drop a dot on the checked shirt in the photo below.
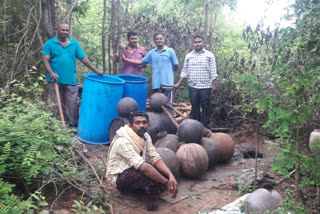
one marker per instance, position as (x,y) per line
(125,157)
(200,69)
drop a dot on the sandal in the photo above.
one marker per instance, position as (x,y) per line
(126,200)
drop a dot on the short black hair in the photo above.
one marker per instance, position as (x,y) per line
(138,114)
(131,33)
(156,34)
(62,23)
(197,37)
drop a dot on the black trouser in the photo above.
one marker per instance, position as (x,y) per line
(68,97)
(132,179)
(200,98)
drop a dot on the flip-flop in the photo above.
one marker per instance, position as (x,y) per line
(125,200)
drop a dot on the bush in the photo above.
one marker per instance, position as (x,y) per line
(29,136)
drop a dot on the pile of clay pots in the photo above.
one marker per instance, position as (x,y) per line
(158,119)
(196,149)
(188,149)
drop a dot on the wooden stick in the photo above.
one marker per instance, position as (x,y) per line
(181,104)
(179,108)
(174,109)
(170,116)
(59,104)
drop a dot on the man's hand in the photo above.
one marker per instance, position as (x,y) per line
(54,76)
(176,85)
(114,57)
(124,57)
(214,88)
(99,72)
(172,186)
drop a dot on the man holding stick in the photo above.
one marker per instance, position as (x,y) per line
(59,58)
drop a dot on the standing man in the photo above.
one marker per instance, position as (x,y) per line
(59,58)
(133,164)
(200,70)
(163,62)
(131,51)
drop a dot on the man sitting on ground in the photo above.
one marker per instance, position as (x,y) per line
(133,164)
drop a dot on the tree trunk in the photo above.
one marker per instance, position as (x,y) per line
(206,8)
(297,166)
(126,13)
(49,17)
(69,15)
(112,35)
(119,33)
(103,37)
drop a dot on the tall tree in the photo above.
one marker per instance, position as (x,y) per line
(103,35)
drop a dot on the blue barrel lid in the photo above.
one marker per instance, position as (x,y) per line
(132,78)
(105,79)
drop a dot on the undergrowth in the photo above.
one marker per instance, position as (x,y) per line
(35,150)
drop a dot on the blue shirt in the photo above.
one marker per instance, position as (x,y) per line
(63,59)
(162,66)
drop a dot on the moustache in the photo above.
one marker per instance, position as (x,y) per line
(142,129)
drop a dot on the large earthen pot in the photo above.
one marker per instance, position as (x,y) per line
(156,101)
(262,201)
(116,124)
(126,105)
(170,141)
(170,158)
(190,131)
(159,121)
(225,146)
(212,150)
(193,160)
(315,135)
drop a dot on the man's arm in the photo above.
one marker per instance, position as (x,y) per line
(214,74)
(89,65)
(114,58)
(46,62)
(172,184)
(175,67)
(133,61)
(214,88)
(179,82)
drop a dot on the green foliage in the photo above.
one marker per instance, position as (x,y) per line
(82,8)
(291,205)
(87,209)
(28,137)
(279,79)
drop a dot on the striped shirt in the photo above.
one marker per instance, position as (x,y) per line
(123,156)
(200,69)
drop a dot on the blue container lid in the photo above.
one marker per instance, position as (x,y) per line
(132,78)
(104,79)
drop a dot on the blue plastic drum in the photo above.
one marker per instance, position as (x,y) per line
(100,96)
(136,87)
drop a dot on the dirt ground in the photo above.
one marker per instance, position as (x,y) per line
(213,191)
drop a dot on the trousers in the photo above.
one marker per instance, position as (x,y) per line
(200,98)
(68,98)
(132,180)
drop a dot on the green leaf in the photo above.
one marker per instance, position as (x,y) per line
(43,203)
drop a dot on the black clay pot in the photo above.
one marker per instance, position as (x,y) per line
(126,105)
(159,122)
(170,141)
(190,131)
(116,124)
(212,150)
(156,101)
(170,158)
